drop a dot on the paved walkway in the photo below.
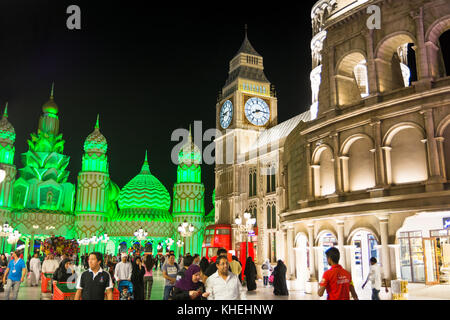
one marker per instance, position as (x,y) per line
(416,292)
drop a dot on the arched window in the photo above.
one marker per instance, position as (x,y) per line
(270,179)
(361,78)
(444,43)
(396,62)
(274,216)
(408,157)
(269,217)
(252,182)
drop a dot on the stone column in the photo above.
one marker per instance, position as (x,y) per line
(345,173)
(337,164)
(340,239)
(371,66)
(310,182)
(379,163)
(423,71)
(385,254)
(290,253)
(387,160)
(315,169)
(332,79)
(440,143)
(312,266)
(433,156)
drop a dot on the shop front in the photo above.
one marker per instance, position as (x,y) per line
(424,241)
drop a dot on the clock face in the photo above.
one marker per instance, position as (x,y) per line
(257,111)
(226,114)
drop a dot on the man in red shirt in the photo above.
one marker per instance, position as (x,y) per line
(337,281)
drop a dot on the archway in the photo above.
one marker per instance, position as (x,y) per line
(324,183)
(364,246)
(444,43)
(325,241)
(301,258)
(396,61)
(352,78)
(408,156)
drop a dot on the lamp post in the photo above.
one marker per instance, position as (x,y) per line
(245,228)
(14,237)
(5,231)
(140,235)
(104,239)
(179,244)
(169,242)
(186,230)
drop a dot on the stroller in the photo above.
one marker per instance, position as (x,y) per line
(129,286)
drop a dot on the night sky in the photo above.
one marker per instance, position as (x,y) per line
(147,70)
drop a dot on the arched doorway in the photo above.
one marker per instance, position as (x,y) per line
(364,246)
(301,252)
(444,41)
(325,241)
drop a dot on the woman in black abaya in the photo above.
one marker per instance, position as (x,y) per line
(279,280)
(250,274)
(137,278)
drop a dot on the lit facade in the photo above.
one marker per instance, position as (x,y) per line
(41,202)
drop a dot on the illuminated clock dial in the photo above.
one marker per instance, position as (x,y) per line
(226,114)
(257,111)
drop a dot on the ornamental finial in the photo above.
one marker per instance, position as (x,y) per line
(5,112)
(97,126)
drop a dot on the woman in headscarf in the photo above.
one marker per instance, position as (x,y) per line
(236,267)
(250,274)
(65,272)
(266,269)
(189,287)
(279,280)
(137,278)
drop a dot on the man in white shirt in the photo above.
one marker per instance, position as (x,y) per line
(50,264)
(375,279)
(223,284)
(123,269)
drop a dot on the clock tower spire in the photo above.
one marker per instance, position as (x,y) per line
(246,106)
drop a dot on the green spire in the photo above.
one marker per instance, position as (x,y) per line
(97,126)
(145,166)
(52,91)
(5,113)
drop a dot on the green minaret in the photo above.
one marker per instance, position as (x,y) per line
(188,195)
(43,179)
(7,150)
(96,194)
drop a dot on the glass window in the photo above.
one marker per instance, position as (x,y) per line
(274,217)
(222,231)
(269,224)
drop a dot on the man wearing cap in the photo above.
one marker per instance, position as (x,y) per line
(123,269)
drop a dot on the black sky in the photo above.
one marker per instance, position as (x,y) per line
(147,69)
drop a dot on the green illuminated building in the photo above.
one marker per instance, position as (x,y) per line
(188,195)
(41,202)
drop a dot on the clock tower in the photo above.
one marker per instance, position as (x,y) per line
(246,106)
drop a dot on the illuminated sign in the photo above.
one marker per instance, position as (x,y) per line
(446,222)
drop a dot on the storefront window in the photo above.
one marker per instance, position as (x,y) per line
(411,256)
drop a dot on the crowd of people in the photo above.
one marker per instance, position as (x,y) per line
(189,277)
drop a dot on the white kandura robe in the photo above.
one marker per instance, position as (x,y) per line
(35,268)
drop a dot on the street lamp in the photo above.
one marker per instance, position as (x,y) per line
(186,230)
(5,232)
(140,235)
(14,237)
(245,228)
(169,243)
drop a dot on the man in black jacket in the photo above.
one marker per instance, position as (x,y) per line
(212,267)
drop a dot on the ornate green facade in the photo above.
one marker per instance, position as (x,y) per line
(42,202)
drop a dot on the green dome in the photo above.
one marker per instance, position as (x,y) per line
(96,142)
(189,153)
(50,106)
(144,191)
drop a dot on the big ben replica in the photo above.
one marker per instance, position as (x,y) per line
(246,107)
